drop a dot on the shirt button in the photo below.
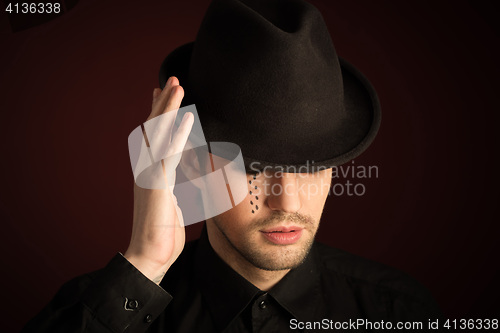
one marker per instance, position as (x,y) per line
(262,305)
(132,304)
(148,318)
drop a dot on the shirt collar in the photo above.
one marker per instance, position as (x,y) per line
(299,291)
(227,293)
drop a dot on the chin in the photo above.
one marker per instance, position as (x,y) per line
(272,257)
(278,264)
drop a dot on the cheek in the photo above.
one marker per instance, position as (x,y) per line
(238,218)
(313,193)
(254,190)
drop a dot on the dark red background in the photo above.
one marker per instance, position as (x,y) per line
(73,89)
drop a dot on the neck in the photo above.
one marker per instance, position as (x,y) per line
(262,279)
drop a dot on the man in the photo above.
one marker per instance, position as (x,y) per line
(264,75)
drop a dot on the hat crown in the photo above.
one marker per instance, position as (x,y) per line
(264,74)
(267,61)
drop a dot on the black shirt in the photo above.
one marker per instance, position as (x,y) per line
(332,290)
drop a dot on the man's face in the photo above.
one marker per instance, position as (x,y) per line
(273,228)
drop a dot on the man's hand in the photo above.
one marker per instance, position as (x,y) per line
(158,234)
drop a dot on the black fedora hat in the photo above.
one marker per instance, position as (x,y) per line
(265,75)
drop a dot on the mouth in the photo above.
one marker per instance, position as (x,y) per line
(282,235)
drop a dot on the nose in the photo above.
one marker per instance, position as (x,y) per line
(284,194)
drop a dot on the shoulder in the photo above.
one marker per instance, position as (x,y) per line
(369,277)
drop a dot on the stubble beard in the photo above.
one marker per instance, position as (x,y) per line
(282,257)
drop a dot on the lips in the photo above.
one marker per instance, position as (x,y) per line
(282,235)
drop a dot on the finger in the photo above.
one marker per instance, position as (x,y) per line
(163,125)
(181,135)
(174,102)
(156,93)
(176,147)
(161,100)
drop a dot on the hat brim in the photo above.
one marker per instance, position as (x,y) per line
(359,98)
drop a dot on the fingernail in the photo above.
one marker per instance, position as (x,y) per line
(169,81)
